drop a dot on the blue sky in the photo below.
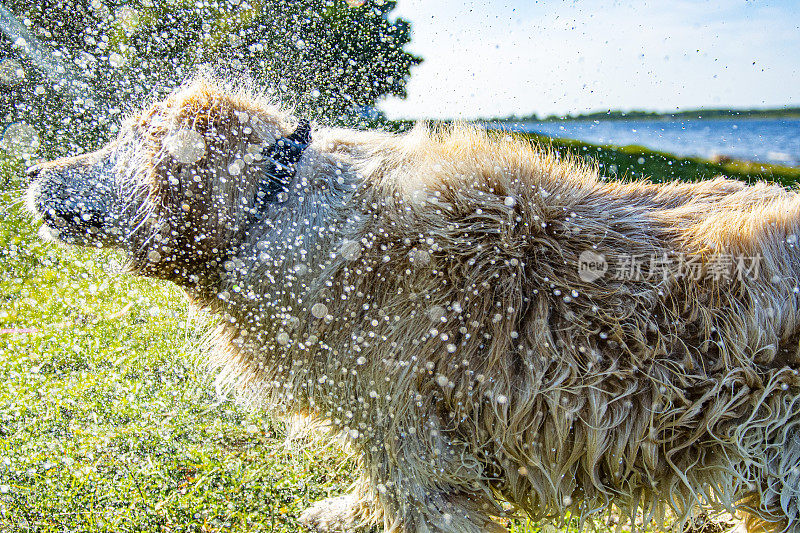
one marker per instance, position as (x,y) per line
(495,58)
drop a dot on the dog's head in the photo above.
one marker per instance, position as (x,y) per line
(182,184)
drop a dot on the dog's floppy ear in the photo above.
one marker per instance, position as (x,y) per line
(281,165)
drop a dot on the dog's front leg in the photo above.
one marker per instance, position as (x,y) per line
(351,513)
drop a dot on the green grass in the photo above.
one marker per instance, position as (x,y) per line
(108,418)
(635,162)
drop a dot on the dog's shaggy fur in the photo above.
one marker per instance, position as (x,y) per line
(421,293)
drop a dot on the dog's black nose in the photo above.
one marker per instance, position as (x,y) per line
(32,173)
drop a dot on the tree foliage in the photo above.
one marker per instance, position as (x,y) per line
(329,58)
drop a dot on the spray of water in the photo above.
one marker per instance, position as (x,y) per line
(56,71)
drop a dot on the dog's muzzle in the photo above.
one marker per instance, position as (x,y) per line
(78,205)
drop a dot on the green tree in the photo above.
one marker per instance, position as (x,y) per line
(329,58)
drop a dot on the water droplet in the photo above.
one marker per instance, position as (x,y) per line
(11,73)
(186,146)
(350,250)
(436,313)
(319,310)
(128,17)
(235,168)
(116,60)
(419,257)
(20,139)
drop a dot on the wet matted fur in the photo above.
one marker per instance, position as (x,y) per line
(422,294)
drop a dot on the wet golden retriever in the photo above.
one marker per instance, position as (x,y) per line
(484,321)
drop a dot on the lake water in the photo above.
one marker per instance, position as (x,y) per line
(764,140)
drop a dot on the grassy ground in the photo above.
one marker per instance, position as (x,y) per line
(108,420)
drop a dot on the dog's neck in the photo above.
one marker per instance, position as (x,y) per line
(265,288)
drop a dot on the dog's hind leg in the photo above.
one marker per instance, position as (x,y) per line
(416,481)
(423,481)
(437,512)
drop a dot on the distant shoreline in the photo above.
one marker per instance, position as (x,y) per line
(695,114)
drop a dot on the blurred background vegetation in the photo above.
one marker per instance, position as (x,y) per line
(99,59)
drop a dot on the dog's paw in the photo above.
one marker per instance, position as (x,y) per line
(335,515)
